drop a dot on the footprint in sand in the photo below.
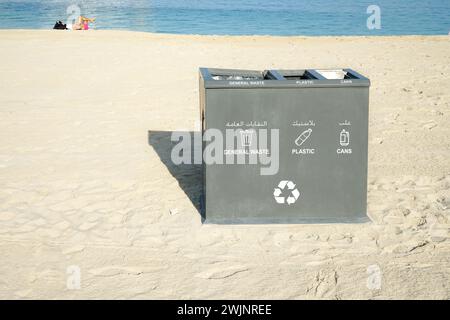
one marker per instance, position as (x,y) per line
(221,273)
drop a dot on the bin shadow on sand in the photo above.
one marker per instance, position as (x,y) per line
(189,176)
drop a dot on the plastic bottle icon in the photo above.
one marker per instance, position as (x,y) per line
(344,138)
(303,137)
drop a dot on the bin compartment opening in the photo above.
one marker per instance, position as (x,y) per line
(241,75)
(235,77)
(336,74)
(296,74)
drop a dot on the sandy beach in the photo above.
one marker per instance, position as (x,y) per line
(86,181)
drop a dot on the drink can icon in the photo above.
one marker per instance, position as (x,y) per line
(344,138)
(246,138)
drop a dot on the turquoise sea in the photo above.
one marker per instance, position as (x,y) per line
(284,17)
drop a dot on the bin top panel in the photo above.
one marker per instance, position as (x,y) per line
(235,78)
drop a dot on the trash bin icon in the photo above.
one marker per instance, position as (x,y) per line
(246,137)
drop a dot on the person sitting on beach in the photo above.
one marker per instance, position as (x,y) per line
(82,23)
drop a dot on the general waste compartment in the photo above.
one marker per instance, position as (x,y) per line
(284,146)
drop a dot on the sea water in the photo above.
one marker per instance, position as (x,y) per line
(233,17)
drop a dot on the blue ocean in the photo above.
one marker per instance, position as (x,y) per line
(243,17)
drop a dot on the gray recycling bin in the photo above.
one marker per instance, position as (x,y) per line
(284,146)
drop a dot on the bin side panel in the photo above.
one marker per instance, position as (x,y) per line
(328,168)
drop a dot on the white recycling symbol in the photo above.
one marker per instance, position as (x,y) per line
(290,198)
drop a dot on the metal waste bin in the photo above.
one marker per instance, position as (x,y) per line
(284,146)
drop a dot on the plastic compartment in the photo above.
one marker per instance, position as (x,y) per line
(296,74)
